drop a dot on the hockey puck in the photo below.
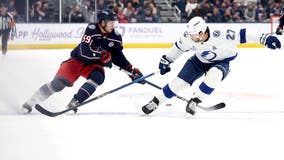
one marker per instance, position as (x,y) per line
(168,104)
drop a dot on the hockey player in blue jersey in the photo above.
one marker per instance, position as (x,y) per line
(101,46)
(214,48)
(279,30)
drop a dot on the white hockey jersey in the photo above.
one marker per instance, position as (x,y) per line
(220,46)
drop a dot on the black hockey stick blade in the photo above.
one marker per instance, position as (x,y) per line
(46,112)
(214,107)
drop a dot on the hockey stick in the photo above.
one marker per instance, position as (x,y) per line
(210,108)
(54,114)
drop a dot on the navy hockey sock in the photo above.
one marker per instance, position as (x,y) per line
(85,92)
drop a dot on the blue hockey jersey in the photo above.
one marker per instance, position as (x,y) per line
(94,43)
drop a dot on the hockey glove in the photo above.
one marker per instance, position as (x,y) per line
(279,30)
(106,59)
(271,42)
(164,65)
(135,74)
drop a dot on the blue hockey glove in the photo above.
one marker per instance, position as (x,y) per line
(271,42)
(106,59)
(164,65)
(135,74)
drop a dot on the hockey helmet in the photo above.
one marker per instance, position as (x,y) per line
(196,25)
(107,15)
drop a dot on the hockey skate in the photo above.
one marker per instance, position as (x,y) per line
(151,106)
(191,105)
(74,102)
(27,108)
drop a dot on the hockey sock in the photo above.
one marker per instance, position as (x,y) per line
(85,92)
(41,94)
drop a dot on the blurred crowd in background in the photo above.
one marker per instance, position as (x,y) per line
(144,11)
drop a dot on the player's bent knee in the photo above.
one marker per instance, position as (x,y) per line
(97,76)
(223,68)
(213,77)
(177,85)
(58,84)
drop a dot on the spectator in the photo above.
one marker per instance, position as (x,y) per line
(190,6)
(223,8)
(88,13)
(133,17)
(128,10)
(77,15)
(121,17)
(237,13)
(215,17)
(154,11)
(67,14)
(250,13)
(36,12)
(101,5)
(148,17)
(276,9)
(136,4)
(228,18)
(206,9)
(48,13)
(261,16)
(196,12)
(110,4)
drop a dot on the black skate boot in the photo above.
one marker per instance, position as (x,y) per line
(74,102)
(191,105)
(151,106)
(27,108)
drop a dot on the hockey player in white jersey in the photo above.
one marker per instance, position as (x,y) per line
(214,49)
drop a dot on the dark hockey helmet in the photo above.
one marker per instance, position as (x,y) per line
(107,15)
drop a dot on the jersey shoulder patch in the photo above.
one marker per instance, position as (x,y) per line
(116,32)
(216,33)
(92,26)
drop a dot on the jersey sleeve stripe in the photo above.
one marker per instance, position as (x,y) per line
(243,36)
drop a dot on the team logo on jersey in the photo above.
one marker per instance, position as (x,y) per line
(92,26)
(216,33)
(209,55)
(111,44)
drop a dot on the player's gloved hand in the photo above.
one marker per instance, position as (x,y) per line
(279,30)
(164,65)
(135,74)
(271,42)
(105,58)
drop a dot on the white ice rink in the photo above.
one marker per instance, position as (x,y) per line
(251,127)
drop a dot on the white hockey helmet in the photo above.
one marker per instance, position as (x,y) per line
(196,25)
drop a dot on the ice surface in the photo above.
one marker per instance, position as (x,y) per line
(250,127)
